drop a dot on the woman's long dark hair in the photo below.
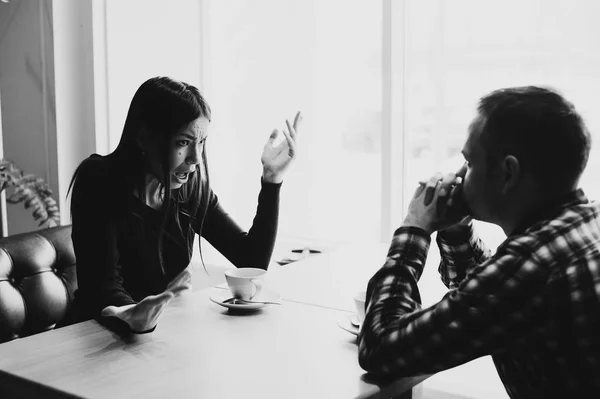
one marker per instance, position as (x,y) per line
(161,107)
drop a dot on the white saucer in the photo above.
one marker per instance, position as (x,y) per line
(349,323)
(220,297)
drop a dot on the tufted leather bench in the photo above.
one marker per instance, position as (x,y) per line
(37,281)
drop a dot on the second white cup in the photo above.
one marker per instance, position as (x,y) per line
(359,303)
(245,283)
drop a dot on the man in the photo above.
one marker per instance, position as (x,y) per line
(534,305)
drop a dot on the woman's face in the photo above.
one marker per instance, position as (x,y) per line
(185,151)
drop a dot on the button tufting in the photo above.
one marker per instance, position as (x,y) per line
(40,302)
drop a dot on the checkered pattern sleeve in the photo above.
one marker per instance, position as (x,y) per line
(461,250)
(493,303)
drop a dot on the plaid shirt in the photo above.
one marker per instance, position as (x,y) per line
(534,305)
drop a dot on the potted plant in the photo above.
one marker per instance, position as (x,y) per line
(32,191)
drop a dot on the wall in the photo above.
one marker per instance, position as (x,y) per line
(48,94)
(75,90)
(27,86)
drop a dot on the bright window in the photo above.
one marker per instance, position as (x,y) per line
(387,89)
(457,51)
(267,59)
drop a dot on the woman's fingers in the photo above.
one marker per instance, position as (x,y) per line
(148,311)
(274,135)
(290,142)
(183,278)
(297,121)
(155,311)
(109,311)
(143,315)
(152,306)
(179,287)
(116,311)
(273,140)
(291,130)
(290,134)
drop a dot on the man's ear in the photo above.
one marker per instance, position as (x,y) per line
(511,172)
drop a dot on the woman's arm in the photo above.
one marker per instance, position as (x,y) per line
(244,249)
(254,248)
(94,235)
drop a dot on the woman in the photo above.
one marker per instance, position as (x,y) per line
(135,211)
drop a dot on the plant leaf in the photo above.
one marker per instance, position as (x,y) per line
(30,189)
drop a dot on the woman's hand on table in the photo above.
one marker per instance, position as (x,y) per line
(181,283)
(278,156)
(144,315)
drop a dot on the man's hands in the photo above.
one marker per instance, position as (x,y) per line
(439,203)
(144,315)
(277,157)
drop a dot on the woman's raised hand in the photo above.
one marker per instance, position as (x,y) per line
(278,156)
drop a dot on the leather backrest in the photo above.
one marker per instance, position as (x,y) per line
(37,281)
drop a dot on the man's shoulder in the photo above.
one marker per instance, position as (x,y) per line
(570,231)
(574,216)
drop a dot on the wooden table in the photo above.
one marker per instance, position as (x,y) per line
(199,350)
(345,270)
(328,280)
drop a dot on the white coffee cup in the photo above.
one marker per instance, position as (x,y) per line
(359,303)
(246,282)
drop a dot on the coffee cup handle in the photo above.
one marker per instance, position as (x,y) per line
(258,284)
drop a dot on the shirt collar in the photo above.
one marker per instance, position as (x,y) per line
(552,209)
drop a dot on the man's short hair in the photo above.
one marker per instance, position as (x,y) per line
(541,129)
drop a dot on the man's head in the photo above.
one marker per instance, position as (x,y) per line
(526,144)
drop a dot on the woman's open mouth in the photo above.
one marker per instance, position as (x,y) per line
(182,177)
